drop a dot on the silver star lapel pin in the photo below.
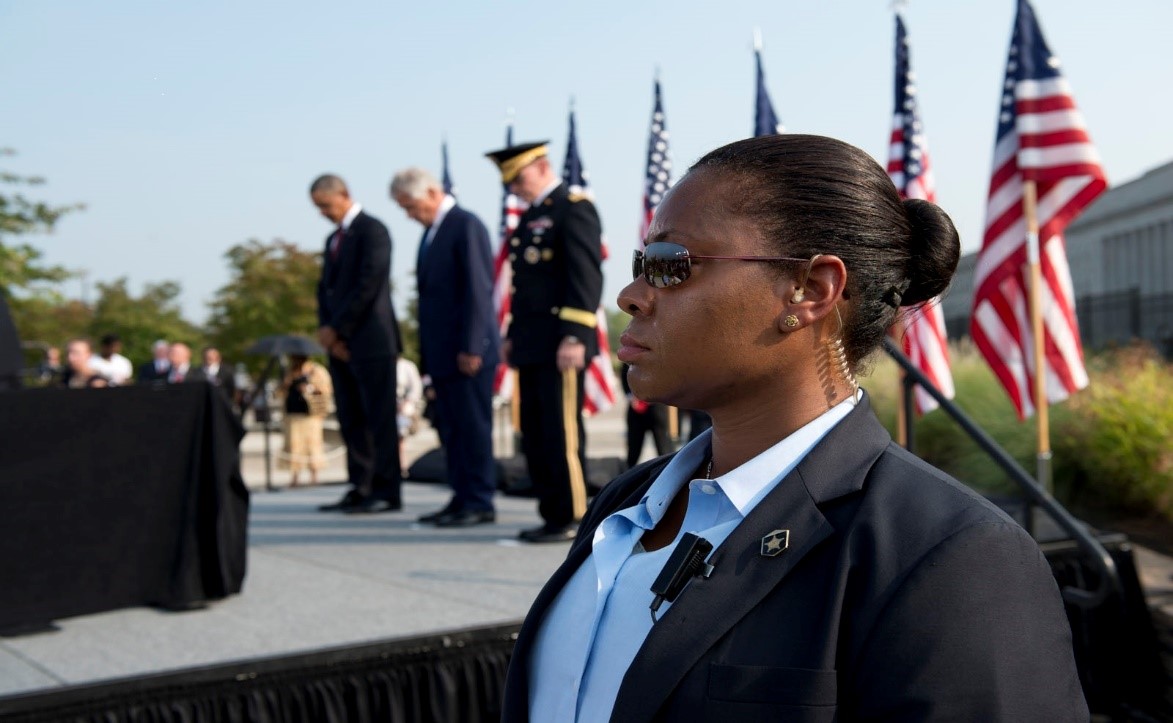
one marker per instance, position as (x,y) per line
(775,543)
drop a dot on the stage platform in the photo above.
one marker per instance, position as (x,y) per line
(325,580)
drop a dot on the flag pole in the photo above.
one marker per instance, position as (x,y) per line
(1029,208)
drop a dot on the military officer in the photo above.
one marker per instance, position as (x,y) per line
(556,256)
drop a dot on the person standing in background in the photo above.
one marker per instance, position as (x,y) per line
(357,328)
(459,343)
(11,361)
(642,418)
(157,369)
(556,257)
(110,363)
(307,392)
(218,374)
(181,370)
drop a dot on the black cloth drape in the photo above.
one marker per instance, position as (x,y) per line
(112,498)
(455,677)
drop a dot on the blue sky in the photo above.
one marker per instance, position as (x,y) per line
(187,128)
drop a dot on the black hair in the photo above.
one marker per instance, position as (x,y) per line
(814,195)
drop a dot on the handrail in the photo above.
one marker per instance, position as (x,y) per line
(1109,577)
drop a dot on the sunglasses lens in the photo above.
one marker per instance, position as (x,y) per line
(664,264)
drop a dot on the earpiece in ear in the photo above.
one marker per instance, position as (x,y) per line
(799,295)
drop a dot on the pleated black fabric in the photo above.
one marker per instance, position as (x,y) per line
(455,677)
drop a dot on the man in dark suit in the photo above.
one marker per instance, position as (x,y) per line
(157,369)
(358,329)
(459,344)
(218,374)
(11,360)
(556,256)
(180,370)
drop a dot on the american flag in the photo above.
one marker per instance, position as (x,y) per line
(511,209)
(765,121)
(1041,138)
(659,175)
(445,177)
(599,386)
(909,167)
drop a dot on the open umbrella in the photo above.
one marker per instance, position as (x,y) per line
(279,344)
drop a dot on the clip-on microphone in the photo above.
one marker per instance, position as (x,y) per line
(686,562)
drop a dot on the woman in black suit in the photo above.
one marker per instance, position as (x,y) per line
(849,579)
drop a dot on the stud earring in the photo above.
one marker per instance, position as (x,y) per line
(791,321)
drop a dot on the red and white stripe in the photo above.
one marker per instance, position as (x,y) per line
(600,386)
(1048,144)
(923,333)
(512,208)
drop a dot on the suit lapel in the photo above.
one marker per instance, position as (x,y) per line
(743,576)
(427,251)
(518,679)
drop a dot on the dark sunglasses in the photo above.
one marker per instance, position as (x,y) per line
(664,264)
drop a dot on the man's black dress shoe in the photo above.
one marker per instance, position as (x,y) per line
(546,533)
(433,516)
(350,499)
(465,518)
(372,505)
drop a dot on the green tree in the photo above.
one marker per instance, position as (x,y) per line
(272,290)
(42,316)
(139,321)
(20,264)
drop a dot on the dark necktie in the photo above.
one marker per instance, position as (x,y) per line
(336,243)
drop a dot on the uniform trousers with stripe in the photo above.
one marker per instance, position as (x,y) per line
(554,441)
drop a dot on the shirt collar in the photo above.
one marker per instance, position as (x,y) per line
(445,206)
(355,209)
(546,192)
(746,485)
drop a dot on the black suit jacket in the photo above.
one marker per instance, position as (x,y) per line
(11,359)
(454,278)
(903,596)
(556,255)
(354,293)
(224,378)
(147,373)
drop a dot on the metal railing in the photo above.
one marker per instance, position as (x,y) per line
(1109,577)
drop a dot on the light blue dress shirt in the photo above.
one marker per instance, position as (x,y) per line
(598,622)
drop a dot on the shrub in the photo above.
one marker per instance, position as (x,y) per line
(1111,442)
(1120,438)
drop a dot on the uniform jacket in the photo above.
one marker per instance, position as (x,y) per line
(454,277)
(901,596)
(354,293)
(556,254)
